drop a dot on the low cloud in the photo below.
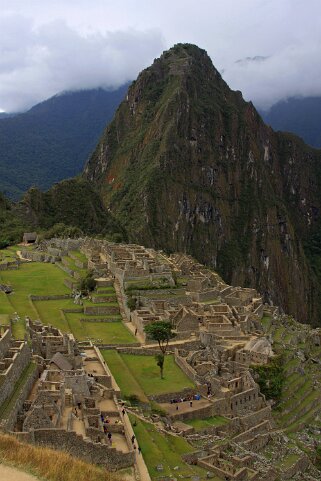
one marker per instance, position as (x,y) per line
(38,62)
(294,71)
(268,49)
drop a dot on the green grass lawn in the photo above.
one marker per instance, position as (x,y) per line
(32,278)
(72,265)
(108,289)
(6,309)
(208,422)
(80,256)
(124,378)
(102,332)
(5,306)
(137,374)
(50,312)
(87,302)
(112,317)
(47,279)
(164,449)
(146,371)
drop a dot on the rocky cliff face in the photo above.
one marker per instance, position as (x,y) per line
(188,165)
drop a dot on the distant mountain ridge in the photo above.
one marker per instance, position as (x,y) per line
(52,140)
(302,116)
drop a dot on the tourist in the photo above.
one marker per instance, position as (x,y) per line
(123,411)
(133,438)
(191,404)
(139,450)
(109,435)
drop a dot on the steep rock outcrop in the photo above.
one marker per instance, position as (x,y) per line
(188,165)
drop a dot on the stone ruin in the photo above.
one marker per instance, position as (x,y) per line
(219,336)
(71,405)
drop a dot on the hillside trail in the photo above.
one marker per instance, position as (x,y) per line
(8,473)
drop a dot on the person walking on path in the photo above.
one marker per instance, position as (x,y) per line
(139,450)
(109,435)
(133,438)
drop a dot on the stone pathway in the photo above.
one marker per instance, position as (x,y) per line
(12,474)
(22,258)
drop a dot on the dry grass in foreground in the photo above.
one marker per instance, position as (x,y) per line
(49,464)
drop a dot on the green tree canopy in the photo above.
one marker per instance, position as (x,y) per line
(160,331)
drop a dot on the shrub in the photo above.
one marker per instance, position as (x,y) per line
(87,283)
(131,303)
(270,378)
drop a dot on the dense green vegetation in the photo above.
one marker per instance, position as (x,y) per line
(71,208)
(52,140)
(12,226)
(270,378)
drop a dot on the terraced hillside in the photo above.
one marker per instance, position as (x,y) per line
(44,291)
(299,405)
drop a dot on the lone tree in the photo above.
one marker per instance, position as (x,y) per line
(160,331)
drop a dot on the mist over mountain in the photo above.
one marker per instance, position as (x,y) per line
(52,140)
(302,116)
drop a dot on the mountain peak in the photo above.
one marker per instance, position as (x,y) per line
(183,58)
(187,165)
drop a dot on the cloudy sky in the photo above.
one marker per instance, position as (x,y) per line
(269,49)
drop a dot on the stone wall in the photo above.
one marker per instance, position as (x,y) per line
(112,346)
(166,397)
(101,310)
(39,256)
(185,367)
(9,377)
(67,244)
(200,413)
(5,342)
(297,467)
(70,283)
(5,266)
(256,417)
(49,298)
(9,421)
(74,444)
(66,269)
(98,320)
